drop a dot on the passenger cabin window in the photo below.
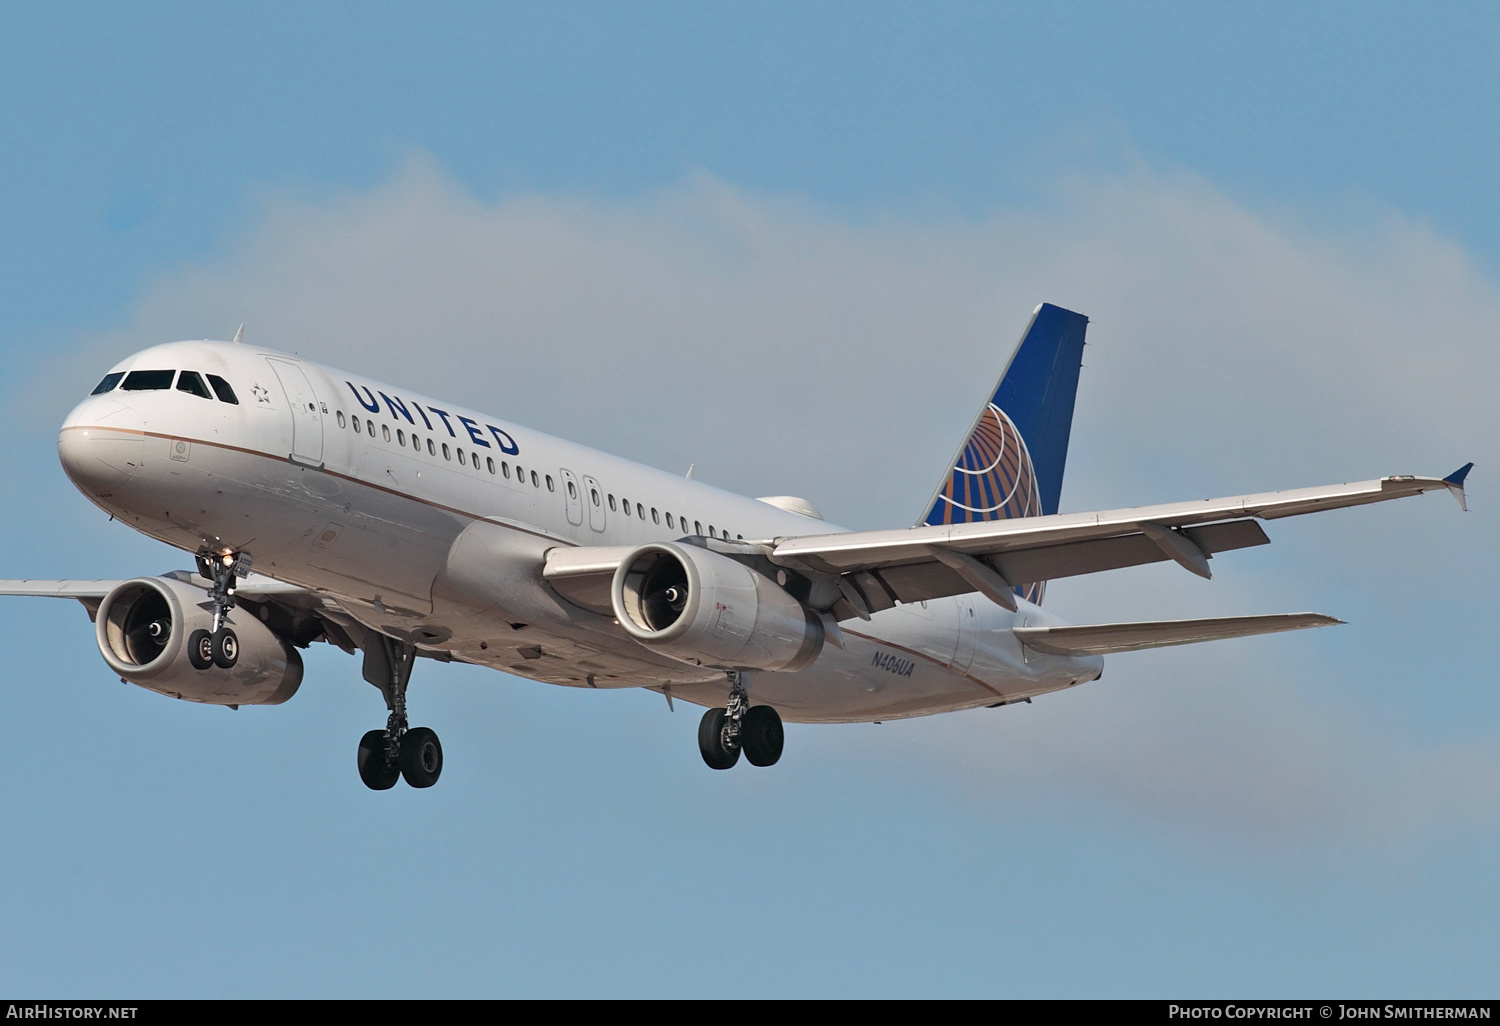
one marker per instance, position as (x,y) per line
(489,464)
(342,422)
(431,449)
(191,382)
(109,382)
(223,391)
(655,519)
(612,504)
(534,482)
(148,380)
(549,483)
(401,438)
(697,527)
(505,469)
(385,432)
(446,454)
(669,520)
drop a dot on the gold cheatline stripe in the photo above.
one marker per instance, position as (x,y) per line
(324,470)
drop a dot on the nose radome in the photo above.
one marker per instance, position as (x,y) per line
(100,445)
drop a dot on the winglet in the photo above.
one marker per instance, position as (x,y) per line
(1455,483)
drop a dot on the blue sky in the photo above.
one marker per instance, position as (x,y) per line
(1284,225)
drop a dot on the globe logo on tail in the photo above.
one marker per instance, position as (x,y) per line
(993,479)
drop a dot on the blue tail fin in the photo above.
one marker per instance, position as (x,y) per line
(1011,462)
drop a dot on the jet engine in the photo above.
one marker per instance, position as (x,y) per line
(144,627)
(704,608)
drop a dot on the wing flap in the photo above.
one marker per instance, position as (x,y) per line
(1107,638)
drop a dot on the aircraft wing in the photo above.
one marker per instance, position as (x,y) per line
(1106,638)
(876,569)
(308,614)
(255,586)
(58,589)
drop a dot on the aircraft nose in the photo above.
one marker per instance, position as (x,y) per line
(100,446)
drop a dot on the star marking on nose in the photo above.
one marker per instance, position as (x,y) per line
(261,394)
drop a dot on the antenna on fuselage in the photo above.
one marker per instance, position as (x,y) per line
(239,335)
(690,470)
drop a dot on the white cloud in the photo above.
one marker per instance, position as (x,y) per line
(788,348)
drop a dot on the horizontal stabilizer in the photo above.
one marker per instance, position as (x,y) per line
(1104,638)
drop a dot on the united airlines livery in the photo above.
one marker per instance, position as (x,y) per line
(321,506)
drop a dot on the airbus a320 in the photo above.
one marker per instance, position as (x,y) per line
(321,506)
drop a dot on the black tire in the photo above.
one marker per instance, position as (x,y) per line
(374,770)
(762,736)
(201,650)
(711,741)
(421,757)
(226,649)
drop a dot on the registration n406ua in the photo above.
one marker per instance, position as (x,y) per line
(321,506)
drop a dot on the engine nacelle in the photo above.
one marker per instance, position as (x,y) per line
(143,627)
(704,608)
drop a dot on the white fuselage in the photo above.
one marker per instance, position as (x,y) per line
(385,502)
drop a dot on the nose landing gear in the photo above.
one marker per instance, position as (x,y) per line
(724,733)
(398,751)
(219,647)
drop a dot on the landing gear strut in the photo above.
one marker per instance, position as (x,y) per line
(397,751)
(757,730)
(219,647)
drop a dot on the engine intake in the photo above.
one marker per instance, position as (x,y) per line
(704,608)
(143,626)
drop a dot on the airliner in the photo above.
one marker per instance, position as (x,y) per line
(322,506)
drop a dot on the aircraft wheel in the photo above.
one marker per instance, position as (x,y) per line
(226,648)
(762,736)
(711,741)
(421,757)
(201,650)
(377,774)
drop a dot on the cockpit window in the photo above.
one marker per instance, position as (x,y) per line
(192,381)
(109,382)
(222,390)
(148,380)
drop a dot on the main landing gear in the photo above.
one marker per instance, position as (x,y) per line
(397,751)
(723,733)
(219,647)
